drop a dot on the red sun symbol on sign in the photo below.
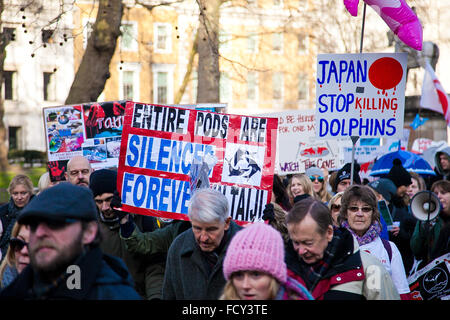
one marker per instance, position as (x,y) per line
(385,73)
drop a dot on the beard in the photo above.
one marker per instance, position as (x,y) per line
(49,270)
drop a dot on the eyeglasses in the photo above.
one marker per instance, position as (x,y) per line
(335,207)
(363,209)
(84,172)
(320,179)
(17,244)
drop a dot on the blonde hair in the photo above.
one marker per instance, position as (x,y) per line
(44,182)
(305,182)
(230,293)
(279,222)
(335,198)
(10,257)
(21,179)
(323,195)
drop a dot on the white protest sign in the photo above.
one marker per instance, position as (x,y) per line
(297,146)
(360,95)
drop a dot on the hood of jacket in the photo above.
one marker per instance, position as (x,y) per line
(437,161)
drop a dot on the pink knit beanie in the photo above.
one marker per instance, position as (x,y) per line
(256,247)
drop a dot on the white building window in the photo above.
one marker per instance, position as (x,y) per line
(9,33)
(277,43)
(128,39)
(224,40)
(163,87)
(278,3)
(49,86)
(225,88)
(303,86)
(129,81)
(252,86)
(302,43)
(277,86)
(10,85)
(252,42)
(162,37)
(15,138)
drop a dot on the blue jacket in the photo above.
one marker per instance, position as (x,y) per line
(102,277)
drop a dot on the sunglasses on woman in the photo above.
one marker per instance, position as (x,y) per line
(363,209)
(320,179)
(17,244)
(335,207)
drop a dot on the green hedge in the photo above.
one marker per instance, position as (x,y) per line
(27,156)
(33,173)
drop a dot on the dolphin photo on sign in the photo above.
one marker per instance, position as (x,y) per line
(360,95)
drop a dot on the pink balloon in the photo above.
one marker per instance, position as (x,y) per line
(398,16)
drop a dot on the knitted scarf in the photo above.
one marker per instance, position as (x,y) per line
(293,290)
(371,234)
(315,272)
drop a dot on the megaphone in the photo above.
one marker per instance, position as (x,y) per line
(425,205)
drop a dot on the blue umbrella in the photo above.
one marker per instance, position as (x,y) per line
(410,161)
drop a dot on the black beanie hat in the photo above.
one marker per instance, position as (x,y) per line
(345,173)
(103,181)
(398,174)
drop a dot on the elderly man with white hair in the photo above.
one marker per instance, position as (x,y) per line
(194,261)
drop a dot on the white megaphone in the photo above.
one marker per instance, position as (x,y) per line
(425,205)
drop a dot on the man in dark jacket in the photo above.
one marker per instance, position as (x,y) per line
(65,260)
(327,260)
(103,185)
(195,258)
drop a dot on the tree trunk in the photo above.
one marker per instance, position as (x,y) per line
(93,72)
(4,41)
(208,52)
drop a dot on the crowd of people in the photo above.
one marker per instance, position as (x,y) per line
(322,237)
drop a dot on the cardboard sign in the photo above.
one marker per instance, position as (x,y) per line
(297,146)
(92,130)
(360,95)
(64,128)
(432,282)
(162,145)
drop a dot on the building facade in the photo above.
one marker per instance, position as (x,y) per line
(267,50)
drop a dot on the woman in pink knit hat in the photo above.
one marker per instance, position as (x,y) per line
(254,267)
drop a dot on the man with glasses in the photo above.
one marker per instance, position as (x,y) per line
(65,259)
(328,261)
(78,171)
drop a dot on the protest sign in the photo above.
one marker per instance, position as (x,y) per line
(297,146)
(162,144)
(432,281)
(420,145)
(56,170)
(360,95)
(92,130)
(64,130)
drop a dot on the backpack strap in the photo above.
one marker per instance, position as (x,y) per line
(388,248)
